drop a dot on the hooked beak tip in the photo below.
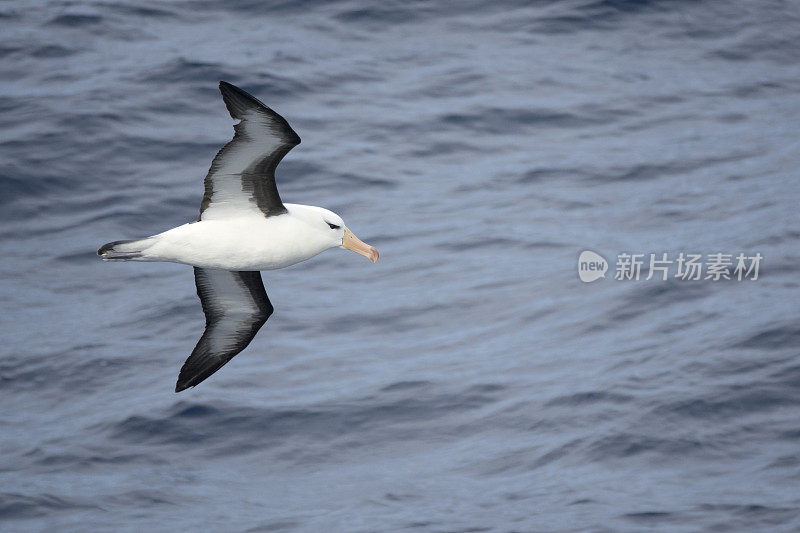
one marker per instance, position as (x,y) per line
(351,242)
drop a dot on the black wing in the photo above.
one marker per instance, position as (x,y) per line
(236,306)
(242,175)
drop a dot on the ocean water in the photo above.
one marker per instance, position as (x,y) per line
(468,381)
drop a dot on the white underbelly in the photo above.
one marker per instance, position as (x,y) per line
(238,244)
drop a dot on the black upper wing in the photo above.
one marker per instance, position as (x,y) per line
(236,306)
(242,175)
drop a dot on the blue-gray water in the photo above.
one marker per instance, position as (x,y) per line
(466,382)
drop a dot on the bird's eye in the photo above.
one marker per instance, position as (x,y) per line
(333,226)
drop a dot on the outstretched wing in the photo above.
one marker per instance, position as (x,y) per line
(236,306)
(242,175)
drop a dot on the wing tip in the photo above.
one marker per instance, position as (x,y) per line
(193,372)
(238,101)
(184,380)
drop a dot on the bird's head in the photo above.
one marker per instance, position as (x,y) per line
(333,225)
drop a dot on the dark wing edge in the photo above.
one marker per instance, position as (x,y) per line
(258,179)
(240,103)
(229,328)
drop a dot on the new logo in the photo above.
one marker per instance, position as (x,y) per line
(591,266)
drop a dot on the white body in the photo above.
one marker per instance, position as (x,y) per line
(247,242)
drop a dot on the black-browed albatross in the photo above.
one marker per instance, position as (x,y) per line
(243,228)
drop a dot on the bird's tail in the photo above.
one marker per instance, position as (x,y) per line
(123,250)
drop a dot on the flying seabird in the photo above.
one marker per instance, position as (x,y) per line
(243,228)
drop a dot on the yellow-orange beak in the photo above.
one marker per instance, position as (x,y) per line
(351,242)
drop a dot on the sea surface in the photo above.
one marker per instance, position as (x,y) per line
(467,382)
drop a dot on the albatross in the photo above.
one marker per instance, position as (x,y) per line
(243,228)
